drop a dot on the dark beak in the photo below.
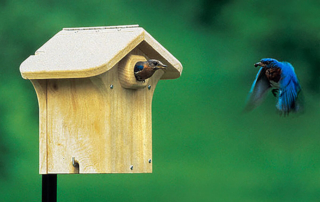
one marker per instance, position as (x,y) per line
(161,66)
(259,64)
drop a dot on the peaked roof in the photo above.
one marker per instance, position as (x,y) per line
(90,51)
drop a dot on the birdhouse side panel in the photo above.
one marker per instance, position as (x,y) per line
(41,90)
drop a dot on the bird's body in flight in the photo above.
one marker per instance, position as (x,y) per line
(145,69)
(281,78)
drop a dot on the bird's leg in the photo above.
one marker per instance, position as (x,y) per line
(274,92)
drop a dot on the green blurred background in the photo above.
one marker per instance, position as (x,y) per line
(204,148)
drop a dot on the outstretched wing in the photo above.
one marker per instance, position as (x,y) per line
(258,90)
(289,89)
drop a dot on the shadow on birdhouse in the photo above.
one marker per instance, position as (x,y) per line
(95,116)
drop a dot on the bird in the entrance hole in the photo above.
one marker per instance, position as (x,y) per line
(282,79)
(145,69)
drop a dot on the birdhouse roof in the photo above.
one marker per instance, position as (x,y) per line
(90,51)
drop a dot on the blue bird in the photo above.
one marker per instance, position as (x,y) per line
(145,69)
(281,78)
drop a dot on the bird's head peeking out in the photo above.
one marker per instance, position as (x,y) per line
(156,64)
(145,69)
(266,62)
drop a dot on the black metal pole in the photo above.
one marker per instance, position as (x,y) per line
(49,188)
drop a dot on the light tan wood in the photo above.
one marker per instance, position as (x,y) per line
(126,72)
(106,129)
(91,107)
(87,52)
(41,90)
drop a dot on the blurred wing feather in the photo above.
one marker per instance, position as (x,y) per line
(259,88)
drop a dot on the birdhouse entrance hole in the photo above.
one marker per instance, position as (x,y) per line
(126,72)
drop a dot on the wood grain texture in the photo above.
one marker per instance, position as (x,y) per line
(82,53)
(41,90)
(106,130)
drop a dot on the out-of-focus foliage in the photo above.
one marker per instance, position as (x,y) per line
(204,148)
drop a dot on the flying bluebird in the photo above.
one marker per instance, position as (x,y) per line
(144,70)
(279,76)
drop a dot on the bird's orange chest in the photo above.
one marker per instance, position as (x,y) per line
(273,74)
(147,71)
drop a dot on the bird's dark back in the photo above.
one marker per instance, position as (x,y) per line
(139,66)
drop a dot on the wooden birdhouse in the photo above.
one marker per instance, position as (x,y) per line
(95,117)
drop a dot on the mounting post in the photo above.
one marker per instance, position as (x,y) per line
(49,188)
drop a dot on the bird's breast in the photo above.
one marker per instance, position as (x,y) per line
(147,72)
(274,76)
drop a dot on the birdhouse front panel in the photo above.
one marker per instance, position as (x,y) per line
(95,116)
(104,127)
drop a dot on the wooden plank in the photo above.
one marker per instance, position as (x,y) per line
(41,90)
(107,130)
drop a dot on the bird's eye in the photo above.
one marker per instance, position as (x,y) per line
(155,63)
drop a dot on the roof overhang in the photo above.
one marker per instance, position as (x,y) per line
(90,51)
